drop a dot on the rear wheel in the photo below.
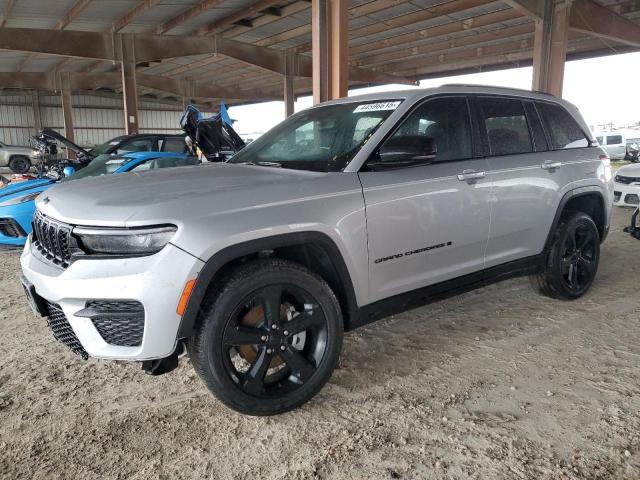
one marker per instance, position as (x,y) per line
(19,164)
(573,259)
(270,338)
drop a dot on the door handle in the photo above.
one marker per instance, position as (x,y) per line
(549,165)
(470,176)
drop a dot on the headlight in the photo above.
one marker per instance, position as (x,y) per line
(124,241)
(22,199)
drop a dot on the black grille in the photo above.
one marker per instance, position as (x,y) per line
(62,330)
(52,239)
(627,180)
(119,322)
(616,196)
(10,228)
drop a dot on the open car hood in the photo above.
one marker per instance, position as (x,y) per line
(53,135)
(212,135)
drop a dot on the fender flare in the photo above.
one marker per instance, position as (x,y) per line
(570,195)
(213,266)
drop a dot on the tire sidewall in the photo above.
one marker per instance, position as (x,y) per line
(19,158)
(554,269)
(211,354)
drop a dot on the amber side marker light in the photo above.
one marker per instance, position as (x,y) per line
(184,298)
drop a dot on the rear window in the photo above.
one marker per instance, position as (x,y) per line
(562,128)
(506,125)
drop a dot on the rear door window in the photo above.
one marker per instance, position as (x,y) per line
(148,144)
(506,126)
(614,139)
(562,128)
(174,144)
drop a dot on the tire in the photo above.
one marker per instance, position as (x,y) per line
(258,362)
(19,164)
(572,261)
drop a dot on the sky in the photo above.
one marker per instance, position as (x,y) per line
(605,89)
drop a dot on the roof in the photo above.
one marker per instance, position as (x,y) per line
(412,38)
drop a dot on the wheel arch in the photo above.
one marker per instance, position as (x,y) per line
(589,200)
(314,250)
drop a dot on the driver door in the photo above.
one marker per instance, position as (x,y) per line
(428,223)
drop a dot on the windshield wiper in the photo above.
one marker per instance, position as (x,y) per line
(262,164)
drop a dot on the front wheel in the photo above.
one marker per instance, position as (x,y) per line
(572,261)
(269,338)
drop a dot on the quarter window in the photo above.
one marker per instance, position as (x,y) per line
(506,126)
(563,130)
(446,122)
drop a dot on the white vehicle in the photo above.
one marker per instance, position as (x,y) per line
(620,144)
(627,186)
(18,159)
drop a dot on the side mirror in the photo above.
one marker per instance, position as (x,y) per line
(68,171)
(407,150)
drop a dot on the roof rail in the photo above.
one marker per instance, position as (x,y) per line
(493,86)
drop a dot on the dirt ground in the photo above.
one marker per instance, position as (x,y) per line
(497,383)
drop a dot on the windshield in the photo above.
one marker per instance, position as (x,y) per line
(322,139)
(99,166)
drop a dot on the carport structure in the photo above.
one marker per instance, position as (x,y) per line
(246,51)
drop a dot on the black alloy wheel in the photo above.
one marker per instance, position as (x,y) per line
(579,257)
(572,260)
(274,340)
(269,337)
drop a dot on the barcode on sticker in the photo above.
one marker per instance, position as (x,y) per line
(376,107)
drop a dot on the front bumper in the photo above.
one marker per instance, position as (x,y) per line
(20,217)
(626,195)
(156,281)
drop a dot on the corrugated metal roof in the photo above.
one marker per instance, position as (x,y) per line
(397,37)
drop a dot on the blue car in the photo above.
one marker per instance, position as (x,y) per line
(17,201)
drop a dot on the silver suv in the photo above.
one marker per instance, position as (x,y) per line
(342,214)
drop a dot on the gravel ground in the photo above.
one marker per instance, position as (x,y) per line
(497,383)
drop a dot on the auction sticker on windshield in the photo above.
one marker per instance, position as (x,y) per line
(376,107)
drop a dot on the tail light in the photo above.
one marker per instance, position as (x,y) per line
(605,159)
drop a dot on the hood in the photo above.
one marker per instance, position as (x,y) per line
(173,195)
(632,170)
(53,135)
(22,188)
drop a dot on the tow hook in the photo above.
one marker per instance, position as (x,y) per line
(161,366)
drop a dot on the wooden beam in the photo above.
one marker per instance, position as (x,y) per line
(321,45)
(127,18)
(588,16)
(339,49)
(477,40)
(75,10)
(289,97)
(8,8)
(530,8)
(35,105)
(129,85)
(550,48)
(67,110)
(107,46)
(246,12)
(185,16)
(409,19)
(436,31)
